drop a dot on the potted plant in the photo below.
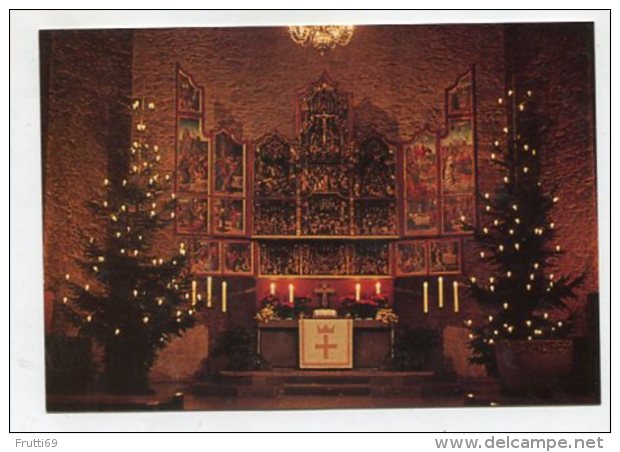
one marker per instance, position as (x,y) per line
(271,308)
(524,338)
(236,350)
(412,349)
(366,308)
(301,307)
(347,306)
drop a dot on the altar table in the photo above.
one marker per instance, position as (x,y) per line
(278,343)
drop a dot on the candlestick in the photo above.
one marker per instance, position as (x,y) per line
(378,288)
(291,293)
(209,291)
(193,293)
(224,300)
(455,287)
(272,289)
(440,290)
(425,286)
(358,291)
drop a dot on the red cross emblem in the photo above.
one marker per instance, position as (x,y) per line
(326,346)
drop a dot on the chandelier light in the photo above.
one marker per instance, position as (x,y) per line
(321,37)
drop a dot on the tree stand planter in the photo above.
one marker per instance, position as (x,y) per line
(533,366)
(127,380)
(127,365)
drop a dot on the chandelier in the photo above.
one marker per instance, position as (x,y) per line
(321,37)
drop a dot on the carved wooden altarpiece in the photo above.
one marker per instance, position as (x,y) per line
(326,204)
(325,186)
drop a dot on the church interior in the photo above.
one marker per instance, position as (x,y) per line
(320,217)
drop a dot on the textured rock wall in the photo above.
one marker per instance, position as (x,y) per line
(252,76)
(85,89)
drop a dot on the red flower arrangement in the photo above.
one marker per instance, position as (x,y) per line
(284,309)
(364,308)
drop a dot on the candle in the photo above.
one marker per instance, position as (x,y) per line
(193,293)
(378,288)
(291,293)
(358,291)
(209,291)
(425,286)
(224,301)
(272,289)
(455,287)
(440,291)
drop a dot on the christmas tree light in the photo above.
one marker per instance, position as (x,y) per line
(119,312)
(529,245)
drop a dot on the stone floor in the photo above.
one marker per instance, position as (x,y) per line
(312,403)
(174,395)
(196,402)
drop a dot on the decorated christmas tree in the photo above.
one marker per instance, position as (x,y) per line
(524,294)
(135,299)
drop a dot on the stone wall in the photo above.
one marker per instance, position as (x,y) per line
(85,90)
(252,76)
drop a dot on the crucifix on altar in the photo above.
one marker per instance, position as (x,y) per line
(324,291)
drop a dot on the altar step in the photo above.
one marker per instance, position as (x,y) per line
(326,390)
(328,383)
(326,380)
